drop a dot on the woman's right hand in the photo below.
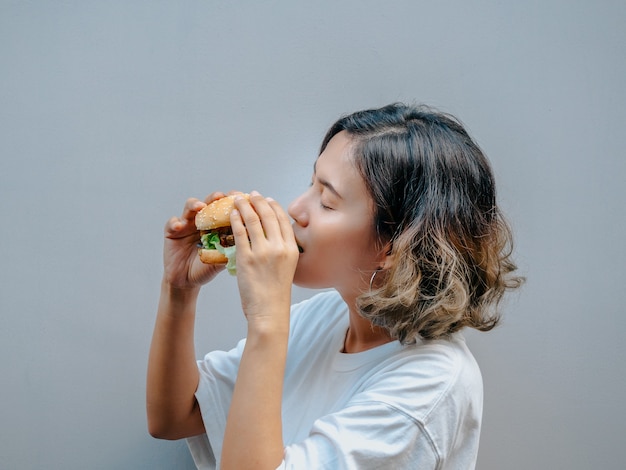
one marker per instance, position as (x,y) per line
(182,266)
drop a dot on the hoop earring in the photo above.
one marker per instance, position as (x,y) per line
(372,278)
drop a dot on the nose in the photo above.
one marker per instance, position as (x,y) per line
(297,210)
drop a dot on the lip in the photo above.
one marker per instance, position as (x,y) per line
(300,249)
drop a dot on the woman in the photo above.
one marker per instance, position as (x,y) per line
(401,221)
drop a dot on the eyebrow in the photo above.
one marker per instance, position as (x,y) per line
(327,184)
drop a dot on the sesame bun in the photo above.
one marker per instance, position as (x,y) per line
(215,215)
(212,256)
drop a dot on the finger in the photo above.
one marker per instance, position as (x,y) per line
(241,234)
(173,226)
(186,223)
(251,212)
(192,207)
(268,216)
(214,197)
(284,223)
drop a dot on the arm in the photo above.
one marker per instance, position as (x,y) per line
(253,437)
(267,255)
(172,372)
(172,410)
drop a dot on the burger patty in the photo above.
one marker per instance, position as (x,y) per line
(226,235)
(227,239)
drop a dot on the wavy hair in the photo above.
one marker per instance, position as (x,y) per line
(435,207)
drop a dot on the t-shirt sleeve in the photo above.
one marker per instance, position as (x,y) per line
(218,373)
(364,435)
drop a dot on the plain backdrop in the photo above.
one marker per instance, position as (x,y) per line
(112,113)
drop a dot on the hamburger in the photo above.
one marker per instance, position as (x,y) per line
(217,242)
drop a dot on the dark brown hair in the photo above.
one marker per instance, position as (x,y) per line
(435,205)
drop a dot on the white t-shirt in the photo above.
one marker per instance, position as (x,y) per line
(403,407)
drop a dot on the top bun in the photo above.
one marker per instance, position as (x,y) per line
(217,213)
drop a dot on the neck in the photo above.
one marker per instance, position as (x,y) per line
(362,335)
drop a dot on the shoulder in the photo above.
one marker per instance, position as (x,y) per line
(425,377)
(437,386)
(368,436)
(328,299)
(320,310)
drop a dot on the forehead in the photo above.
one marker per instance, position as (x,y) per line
(337,156)
(336,166)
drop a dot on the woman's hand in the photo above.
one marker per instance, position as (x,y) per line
(182,266)
(267,255)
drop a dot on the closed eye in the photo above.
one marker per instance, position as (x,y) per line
(324,186)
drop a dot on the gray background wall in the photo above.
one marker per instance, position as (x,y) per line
(112,113)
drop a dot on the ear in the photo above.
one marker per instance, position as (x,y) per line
(385,260)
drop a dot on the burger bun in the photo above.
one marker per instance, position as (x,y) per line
(214,216)
(217,213)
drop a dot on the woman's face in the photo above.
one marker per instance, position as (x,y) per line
(333,224)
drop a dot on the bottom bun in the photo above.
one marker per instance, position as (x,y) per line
(212,257)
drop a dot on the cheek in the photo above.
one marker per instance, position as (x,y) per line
(334,254)
(348,251)
(322,263)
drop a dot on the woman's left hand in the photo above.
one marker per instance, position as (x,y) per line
(267,255)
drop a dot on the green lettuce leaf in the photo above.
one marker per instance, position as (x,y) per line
(211,241)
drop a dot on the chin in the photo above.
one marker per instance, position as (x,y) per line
(309,280)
